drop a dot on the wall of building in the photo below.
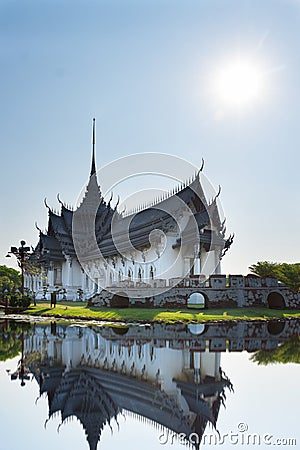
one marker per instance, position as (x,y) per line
(161,265)
(152,360)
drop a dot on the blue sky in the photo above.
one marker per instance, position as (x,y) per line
(144,69)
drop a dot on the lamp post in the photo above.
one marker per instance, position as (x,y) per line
(22,254)
(22,371)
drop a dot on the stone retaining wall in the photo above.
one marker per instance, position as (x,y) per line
(218,291)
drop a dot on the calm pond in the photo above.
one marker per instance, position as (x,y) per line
(152,387)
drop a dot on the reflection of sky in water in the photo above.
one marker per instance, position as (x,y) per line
(264,398)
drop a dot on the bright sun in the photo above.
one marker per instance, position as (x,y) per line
(239,83)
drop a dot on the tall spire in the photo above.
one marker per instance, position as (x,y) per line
(93,166)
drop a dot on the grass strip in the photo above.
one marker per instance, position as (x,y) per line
(82,311)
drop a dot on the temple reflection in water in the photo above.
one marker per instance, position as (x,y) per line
(168,376)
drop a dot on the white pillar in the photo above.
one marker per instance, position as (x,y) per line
(51,275)
(135,273)
(186,358)
(197,260)
(107,277)
(34,284)
(197,360)
(186,266)
(217,366)
(51,345)
(217,261)
(83,280)
(197,266)
(69,272)
(197,365)
(59,275)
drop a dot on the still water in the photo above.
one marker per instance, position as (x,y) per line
(151,387)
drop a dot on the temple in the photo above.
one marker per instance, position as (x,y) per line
(94,376)
(95,246)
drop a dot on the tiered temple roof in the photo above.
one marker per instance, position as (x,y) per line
(58,241)
(95,396)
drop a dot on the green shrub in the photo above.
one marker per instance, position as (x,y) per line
(19,301)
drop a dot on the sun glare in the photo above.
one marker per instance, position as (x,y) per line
(239,83)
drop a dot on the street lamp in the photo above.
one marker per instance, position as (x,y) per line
(22,372)
(22,254)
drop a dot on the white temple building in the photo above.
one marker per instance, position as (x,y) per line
(95,246)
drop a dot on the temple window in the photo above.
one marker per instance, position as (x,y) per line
(152,353)
(140,351)
(140,274)
(151,273)
(57,275)
(192,366)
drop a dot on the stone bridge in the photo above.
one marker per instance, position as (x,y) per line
(219,291)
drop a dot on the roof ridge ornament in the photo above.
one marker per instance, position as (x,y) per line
(111,197)
(218,194)
(201,168)
(46,204)
(37,227)
(59,200)
(117,204)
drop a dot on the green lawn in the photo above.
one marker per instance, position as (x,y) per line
(76,310)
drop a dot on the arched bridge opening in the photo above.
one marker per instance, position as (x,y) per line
(275,327)
(119,300)
(197,300)
(275,301)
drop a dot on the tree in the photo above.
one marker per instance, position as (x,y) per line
(288,274)
(10,279)
(10,339)
(265,269)
(287,352)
